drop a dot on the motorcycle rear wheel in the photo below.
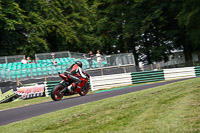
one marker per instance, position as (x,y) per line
(55,92)
(85,89)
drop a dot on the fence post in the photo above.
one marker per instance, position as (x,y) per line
(158,66)
(91,83)
(6,60)
(18,82)
(124,69)
(101,71)
(46,89)
(151,67)
(45,78)
(31,73)
(69,54)
(143,68)
(9,75)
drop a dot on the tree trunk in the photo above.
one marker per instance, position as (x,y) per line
(149,58)
(188,55)
(135,54)
(198,56)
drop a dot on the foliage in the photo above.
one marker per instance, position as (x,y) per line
(189,17)
(11,21)
(149,29)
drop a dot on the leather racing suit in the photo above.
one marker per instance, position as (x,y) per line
(71,71)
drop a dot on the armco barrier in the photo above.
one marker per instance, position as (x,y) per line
(197,71)
(110,81)
(178,73)
(147,76)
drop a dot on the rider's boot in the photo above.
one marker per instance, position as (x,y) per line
(71,87)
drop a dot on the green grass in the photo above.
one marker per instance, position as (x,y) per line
(169,108)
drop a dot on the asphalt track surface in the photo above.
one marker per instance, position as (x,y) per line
(22,113)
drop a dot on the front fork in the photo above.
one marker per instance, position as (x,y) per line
(65,87)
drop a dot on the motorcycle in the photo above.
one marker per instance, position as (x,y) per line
(61,90)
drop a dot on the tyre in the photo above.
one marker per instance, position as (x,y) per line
(55,92)
(85,89)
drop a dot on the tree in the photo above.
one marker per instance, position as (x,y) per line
(11,21)
(189,19)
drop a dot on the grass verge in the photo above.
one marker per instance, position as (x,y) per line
(170,108)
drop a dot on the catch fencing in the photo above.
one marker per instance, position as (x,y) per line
(111,64)
(42,56)
(111,60)
(9,59)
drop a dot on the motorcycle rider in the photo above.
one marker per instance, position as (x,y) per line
(71,71)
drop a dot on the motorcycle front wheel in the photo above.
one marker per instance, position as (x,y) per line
(56,94)
(85,89)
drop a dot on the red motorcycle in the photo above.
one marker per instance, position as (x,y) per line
(61,90)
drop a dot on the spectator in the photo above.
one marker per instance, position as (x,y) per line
(90,57)
(24,61)
(54,62)
(98,55)
(29,60)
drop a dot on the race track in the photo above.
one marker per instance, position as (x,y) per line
(22,113)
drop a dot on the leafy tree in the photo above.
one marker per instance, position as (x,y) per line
(11,21)
(151,28)
(108,25)
(56,26)
(189,19)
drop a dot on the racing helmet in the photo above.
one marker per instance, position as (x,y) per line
(79,63)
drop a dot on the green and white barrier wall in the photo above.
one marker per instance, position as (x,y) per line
(147,76)
(111,81)
(124,79)
(178,73)
(197,71)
